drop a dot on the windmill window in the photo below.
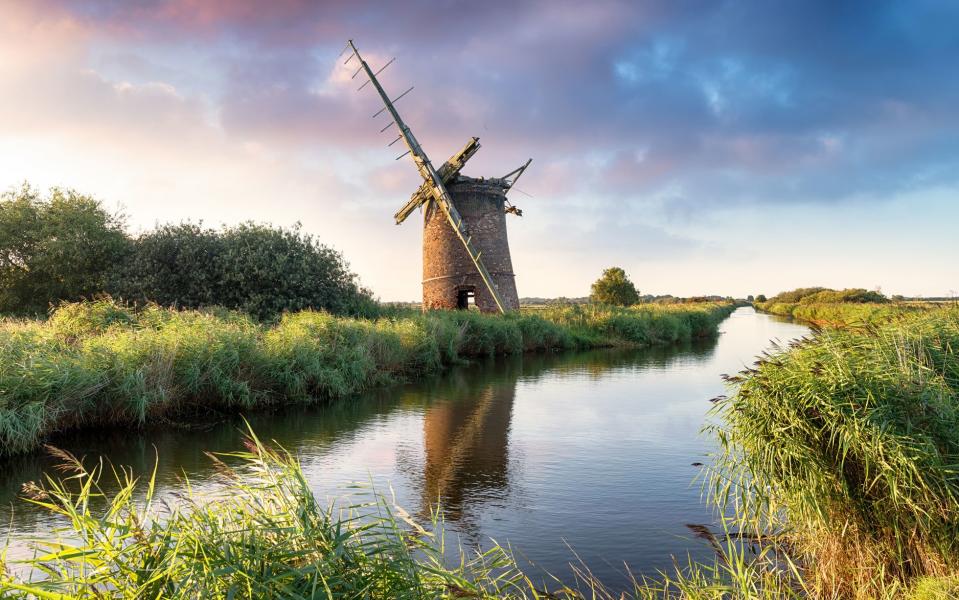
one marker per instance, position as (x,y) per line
(465,298)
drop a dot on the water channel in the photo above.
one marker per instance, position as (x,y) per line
(590,451)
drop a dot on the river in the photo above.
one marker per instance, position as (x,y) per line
(591,451)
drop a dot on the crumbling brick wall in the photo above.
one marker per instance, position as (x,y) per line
(447,266)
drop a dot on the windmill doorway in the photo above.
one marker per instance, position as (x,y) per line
(465,298)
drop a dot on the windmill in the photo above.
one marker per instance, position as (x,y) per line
(464,225)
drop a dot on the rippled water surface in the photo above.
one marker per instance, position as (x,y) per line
(593,450)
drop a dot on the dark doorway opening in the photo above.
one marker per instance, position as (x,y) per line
(465,298)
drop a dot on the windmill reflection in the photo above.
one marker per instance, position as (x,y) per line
(466,447)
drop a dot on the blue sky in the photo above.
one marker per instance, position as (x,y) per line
(706,147)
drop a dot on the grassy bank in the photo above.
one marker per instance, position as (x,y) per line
(842,452)
(843,314)
(852,307)
(99,363)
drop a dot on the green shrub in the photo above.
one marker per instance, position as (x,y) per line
(852,295)
(258,269)
(614,288)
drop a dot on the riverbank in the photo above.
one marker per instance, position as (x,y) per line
(843,314)
(99,363)
(840,451)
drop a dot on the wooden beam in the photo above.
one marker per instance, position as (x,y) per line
(448,172)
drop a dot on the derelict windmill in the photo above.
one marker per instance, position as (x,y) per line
(465,249)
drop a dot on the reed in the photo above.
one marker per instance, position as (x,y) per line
(843,449)
(263,535)
(102,363)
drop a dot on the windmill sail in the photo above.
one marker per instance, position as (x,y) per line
(447,172)
(433,180)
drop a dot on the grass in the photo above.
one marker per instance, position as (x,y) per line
(837,463)
(100,363)
(842,450)
(263,536)
(844,314)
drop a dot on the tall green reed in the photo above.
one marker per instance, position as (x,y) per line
(845,445)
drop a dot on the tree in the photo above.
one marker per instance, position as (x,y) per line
(760,297)
(53,248)
(614,287)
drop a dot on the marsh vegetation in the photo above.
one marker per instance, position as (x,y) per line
(839,451)
(104,363)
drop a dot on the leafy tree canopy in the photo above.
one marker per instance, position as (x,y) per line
(259,269)
(55,247)
(65,246)
(821,295)
(615,288)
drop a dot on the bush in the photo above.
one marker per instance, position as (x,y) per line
(821,295)
(796,295)
(259,269)
(59,247)
(852,295)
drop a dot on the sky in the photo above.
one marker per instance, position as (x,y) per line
(728,148)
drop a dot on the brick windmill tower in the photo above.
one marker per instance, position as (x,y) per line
(465,249)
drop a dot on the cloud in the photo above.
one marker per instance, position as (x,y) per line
(648,122)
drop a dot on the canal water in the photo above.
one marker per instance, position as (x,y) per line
(587,452)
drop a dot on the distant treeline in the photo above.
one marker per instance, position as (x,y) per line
(821,295)
(643,299)
(853,307)
(66,246)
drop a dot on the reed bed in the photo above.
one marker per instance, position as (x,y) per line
(842,451)
(101,363)
(845,314)
(263,534)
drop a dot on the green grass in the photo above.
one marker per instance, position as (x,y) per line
(844,448)
(263,536)
(100,363)
(844,314)
(837,464)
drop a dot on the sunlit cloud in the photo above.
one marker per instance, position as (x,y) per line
(654,128)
